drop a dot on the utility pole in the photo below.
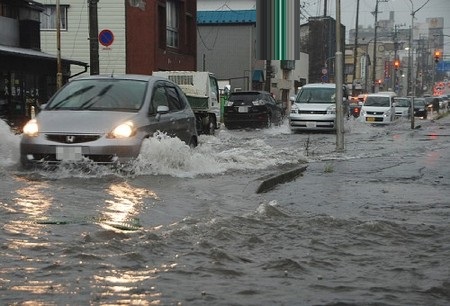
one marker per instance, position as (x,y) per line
(93,37)
(58,46)
(411,60)
(395,86)
(339,82)
(374,69)
(268,75)
(355,49)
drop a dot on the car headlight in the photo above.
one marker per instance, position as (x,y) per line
(124,130)
(387,113)
(294,109)
(230,103)
(258,102)
(31,128)
(331,110)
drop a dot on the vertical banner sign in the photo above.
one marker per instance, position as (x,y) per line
(278,29)
(387,68)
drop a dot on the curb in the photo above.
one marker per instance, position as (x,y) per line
(269,182)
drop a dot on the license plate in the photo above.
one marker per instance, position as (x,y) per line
(243,109)
(310,124)
(68,153)
(370,119)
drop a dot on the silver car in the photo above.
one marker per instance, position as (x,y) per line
(105,119)
(402,107)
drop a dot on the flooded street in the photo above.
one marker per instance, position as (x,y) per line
(367,226)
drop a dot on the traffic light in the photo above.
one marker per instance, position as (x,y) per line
(396,64)
(437,55)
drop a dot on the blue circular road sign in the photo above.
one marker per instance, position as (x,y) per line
(106,37)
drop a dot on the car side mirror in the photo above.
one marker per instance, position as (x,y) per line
(160,110)
(292,99)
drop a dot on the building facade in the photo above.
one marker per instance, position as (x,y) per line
(318,39)
(226,46)
(28,77)
(134,36)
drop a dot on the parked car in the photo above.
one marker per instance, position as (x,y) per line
(379,108)
(314,107)
(105,119)
(443,102)
(420,108)
(402,107)
(251,109)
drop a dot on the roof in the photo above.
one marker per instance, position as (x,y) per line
(30,53)
(226,17)
(320,85)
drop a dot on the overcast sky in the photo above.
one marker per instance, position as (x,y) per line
(402,9)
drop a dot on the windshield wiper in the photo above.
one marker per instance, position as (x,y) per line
(95,99)
(59,104)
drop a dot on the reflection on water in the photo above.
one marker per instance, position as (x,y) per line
(126,287)
(123,209)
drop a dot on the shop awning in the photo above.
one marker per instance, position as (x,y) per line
(30,53)
(258,76)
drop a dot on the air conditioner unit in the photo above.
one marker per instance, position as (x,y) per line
(138,3)
(134,3)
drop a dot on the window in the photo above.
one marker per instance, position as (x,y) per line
(9,11)
(175,103)
(159,98)
(169,96)
(172,23)
(48,17)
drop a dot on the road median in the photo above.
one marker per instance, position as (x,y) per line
(270,181)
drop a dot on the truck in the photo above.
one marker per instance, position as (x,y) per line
(202,91)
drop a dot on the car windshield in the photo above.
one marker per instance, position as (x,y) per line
(402,102)
(377,101)
(428,100)
(102,94)
(245,97)
(418,103)
(316,95)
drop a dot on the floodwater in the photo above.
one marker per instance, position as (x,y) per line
(367,226)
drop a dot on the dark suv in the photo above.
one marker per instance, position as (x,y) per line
(252,109)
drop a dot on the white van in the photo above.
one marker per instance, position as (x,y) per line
(379,108)
(314,107)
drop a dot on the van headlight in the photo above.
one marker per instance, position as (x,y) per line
(387,113)
(124,130)
(331,110)
(31,128)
